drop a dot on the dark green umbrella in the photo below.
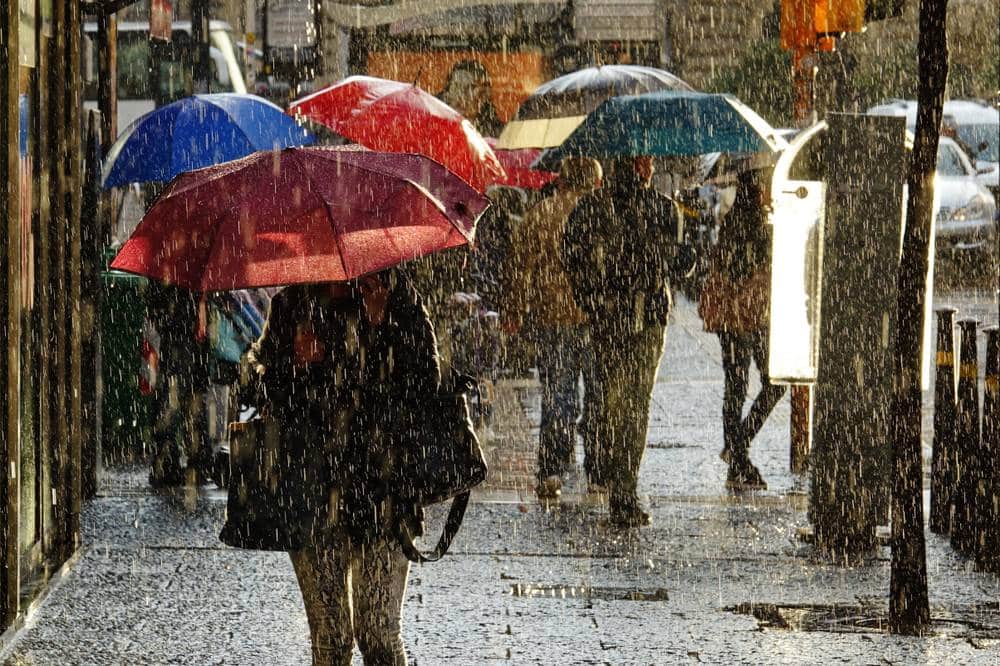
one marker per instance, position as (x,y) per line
(667,123)
(557,107)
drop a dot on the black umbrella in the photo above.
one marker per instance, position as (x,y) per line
(557,107)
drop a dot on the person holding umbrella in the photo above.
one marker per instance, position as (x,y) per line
(188,134)
(336,362)
(621,250)
(347,355)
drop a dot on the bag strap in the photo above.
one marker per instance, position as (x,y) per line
(455,515)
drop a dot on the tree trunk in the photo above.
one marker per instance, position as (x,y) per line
(908,607)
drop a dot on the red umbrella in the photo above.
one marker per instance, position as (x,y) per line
(300,215)
(517,164)
(400,117)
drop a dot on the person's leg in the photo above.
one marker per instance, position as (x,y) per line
(557,372)
(198,451)
(632,393)
(379,572)
(769,394)
(323,574)
(593,426)
(577,357)
(736,369)
(166,469)
(743,474)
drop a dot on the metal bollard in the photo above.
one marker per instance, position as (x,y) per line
(967,444)
(988,511)
(943,453)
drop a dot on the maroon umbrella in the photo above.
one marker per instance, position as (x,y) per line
(300,215)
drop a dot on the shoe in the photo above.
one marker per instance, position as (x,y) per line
(550,487)
(628,515)
(745,476)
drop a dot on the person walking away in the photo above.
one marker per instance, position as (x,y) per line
(734,305)
(336,364)
(541,292)
(622,249)
(180,429)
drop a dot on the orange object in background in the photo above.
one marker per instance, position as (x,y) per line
(807,24)
(798,24)
(834,16)
(514,75)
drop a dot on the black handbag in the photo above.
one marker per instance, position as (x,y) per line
(440,459)
(258,516)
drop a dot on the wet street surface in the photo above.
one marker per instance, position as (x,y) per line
(718,578)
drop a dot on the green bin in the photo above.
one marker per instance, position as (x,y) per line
(126,414)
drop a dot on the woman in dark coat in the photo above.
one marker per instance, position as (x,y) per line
(337,365)
(734,304)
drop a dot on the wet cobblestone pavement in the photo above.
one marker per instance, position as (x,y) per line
(524,583)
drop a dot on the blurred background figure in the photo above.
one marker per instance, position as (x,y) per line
(734,305)
(180,429)
(542,294)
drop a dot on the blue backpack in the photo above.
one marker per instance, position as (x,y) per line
(229,334)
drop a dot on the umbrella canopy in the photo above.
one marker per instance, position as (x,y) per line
(517,165)
(196,132)
(668,123)
(400,117)
(557,107)
(302,215)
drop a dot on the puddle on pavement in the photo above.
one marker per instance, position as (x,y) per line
(549,591)
(667,444)
(970,621)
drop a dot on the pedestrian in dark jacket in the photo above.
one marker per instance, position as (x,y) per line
(734,304)
(339,365)
(622,251)
(180,430)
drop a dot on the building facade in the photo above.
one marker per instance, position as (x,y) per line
(46,300)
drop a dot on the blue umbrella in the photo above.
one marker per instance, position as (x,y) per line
(196,132)
(670,122)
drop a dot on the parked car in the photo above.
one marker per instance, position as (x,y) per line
(974,124)
(967,215)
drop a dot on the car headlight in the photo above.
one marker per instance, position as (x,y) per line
(977,208)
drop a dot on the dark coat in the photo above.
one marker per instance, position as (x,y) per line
(337,386)
(744,246)
(173,312)
(620,250)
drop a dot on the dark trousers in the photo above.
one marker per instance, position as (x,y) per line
(563,354)
(738,349)
(626,366)
(180,430)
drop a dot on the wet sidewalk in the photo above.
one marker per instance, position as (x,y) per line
(528,584)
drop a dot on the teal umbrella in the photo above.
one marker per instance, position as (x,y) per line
(670,122)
